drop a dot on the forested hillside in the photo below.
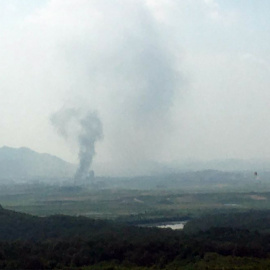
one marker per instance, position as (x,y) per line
(258,220)
(63,242)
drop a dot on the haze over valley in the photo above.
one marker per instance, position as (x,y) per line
(168,81)
(134,134)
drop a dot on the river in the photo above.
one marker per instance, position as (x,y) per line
(174,225)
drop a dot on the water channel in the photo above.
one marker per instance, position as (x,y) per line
(174,225)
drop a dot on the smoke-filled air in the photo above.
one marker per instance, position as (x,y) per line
(172,81)
(86,130)
(135,118)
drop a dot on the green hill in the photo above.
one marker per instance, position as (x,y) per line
(65,242)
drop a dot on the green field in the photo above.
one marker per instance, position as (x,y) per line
(227,229)
(130,205)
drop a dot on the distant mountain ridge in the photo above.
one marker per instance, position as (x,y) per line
(24,163)
(228,165)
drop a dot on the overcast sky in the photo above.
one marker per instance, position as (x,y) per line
(170,80)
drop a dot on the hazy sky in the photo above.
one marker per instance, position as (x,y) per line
(169,79)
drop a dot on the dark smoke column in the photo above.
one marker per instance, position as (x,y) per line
(86,129)
(91,131)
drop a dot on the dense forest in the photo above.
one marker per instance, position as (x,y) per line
(65,242)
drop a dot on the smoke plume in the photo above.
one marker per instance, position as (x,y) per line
(86,130)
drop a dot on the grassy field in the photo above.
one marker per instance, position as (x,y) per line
(43,200)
